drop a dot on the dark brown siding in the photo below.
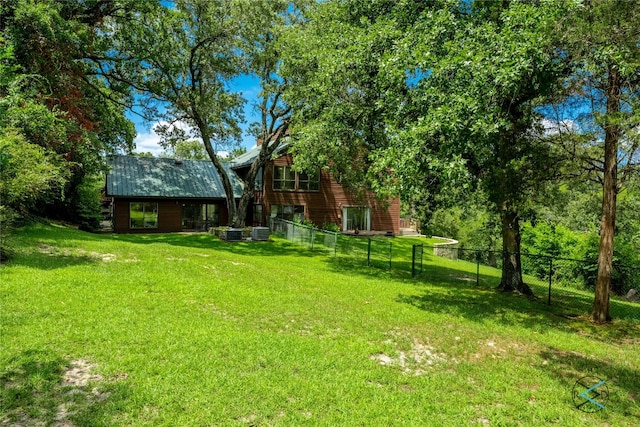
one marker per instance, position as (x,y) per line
(325,206)
(169,215)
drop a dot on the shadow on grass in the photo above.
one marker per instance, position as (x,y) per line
(462,292)
(461,278)
(53,261)
(207,241)
(51,247)
(623,382)
(34,391)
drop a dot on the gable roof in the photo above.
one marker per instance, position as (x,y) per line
(247,158)
(131,176)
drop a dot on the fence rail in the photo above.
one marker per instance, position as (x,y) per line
(559,280)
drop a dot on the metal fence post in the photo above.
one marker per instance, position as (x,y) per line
(413,261)
(477,268)
(550,279)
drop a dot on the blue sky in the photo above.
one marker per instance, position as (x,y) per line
(249,86)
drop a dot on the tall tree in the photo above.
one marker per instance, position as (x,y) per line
(59,102)
(505,67)
(179,59)
(262,47)
(184,57)
(603,40)
(413,93)
(341,92)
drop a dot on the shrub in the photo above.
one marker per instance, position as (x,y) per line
(88,205)
(625,273)
(329,226)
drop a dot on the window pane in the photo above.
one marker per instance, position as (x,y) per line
(277,173)
(136,215)
(258,182)
(298,213)
(257,214)
(357,217)
(150,215)
(284,178)
(308,182)
(287,212)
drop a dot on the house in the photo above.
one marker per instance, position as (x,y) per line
(166,195)
(150,194)
(284,193)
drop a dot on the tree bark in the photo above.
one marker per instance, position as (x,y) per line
(609,199)
(245,199)
(224,177)
(511,262)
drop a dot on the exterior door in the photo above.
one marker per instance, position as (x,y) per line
(356,217)
(190,216)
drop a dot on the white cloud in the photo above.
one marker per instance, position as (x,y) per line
(149,140)
(552,127)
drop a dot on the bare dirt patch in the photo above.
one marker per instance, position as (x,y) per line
(416,360)
(54,251)
(56,405)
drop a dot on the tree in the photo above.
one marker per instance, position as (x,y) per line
(183,57)
(262,48)
(57,101)
(499,67)
(180,58)
(26,172)
(341,92)
(417,93)
(186,149)
(602,39)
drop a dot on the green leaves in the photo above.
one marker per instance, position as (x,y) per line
(26,171)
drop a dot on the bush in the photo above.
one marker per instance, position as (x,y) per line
(88,205)
(329,226)
(625,273)
(543,238)
(7,220)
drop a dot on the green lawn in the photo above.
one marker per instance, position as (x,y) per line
(186,330)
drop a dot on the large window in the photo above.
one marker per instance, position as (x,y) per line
(258,181)
(288,212)
(200,217)
(143,214)
(308,182)
(285,178)
(356,218)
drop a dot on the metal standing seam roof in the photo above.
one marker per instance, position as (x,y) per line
(247,158)
(131,176)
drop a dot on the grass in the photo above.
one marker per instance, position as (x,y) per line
(186,330)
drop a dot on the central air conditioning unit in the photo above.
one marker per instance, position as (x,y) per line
(232,234)
(260,233)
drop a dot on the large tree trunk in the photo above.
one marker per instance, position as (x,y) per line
(243,205)
(609,196)
(511,264)
(224,177)
(249,180)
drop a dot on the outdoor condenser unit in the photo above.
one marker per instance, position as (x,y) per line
(233,234)
(260,233)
